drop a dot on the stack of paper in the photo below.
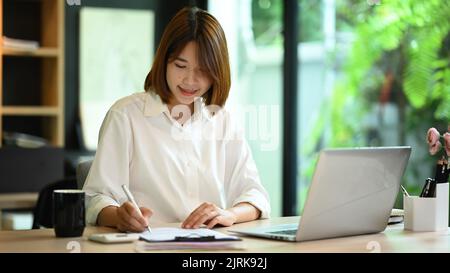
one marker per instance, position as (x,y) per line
(396,216)
(143,246)
(186,239)
(171,234)
(20,44)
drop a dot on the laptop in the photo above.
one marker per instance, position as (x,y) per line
(352,192)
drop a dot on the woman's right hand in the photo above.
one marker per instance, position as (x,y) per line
(129,219)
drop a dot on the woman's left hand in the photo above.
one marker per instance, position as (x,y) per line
(210,215)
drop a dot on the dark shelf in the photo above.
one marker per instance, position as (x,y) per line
(22,81)
(25,124)
(20,17)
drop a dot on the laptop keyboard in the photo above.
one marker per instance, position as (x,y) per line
(284,232)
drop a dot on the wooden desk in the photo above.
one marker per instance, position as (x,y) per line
(394,239)
(17,201)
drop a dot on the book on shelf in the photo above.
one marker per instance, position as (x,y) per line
(20,43)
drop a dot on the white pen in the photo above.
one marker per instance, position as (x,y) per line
(131,199)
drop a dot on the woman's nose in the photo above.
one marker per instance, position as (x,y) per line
(190,76)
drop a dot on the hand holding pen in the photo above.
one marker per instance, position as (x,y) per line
(130,217)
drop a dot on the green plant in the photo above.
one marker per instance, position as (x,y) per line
(400,55)
(267,21)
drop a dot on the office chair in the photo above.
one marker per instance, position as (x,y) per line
(82,172)
(43,211)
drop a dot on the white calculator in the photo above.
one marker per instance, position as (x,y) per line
(111,238)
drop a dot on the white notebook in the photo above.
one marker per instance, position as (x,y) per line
(185,235)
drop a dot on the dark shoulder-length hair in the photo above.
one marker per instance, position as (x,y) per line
(193,24)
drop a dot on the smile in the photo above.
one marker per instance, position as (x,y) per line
(187,92)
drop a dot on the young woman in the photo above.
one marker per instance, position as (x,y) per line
(174,145)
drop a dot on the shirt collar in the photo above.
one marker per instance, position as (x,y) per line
(154,105)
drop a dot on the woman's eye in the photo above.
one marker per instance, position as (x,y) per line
(180,66)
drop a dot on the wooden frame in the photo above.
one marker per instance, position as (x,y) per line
(51,53)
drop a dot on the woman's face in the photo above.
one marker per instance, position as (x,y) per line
(186,79)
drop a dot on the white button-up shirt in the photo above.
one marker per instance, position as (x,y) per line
(168,167)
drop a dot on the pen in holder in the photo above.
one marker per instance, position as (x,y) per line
(427,213)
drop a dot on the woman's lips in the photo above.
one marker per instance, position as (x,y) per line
(187,92)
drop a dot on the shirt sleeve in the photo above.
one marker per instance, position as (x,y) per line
(242,182)
(110,168)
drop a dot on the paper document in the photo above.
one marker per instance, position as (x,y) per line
(20,44)
(143,246)
(179,234)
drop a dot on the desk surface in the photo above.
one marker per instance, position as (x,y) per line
(393,239)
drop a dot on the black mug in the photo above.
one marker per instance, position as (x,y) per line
(69,213)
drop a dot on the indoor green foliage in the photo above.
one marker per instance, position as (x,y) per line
(400,54)
(407,41)
(267,21)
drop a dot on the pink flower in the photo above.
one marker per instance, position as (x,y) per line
(433,141)
(435,148)
(447,143)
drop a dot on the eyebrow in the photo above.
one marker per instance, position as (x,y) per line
(181,59)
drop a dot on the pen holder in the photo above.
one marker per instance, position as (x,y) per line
(427,214)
